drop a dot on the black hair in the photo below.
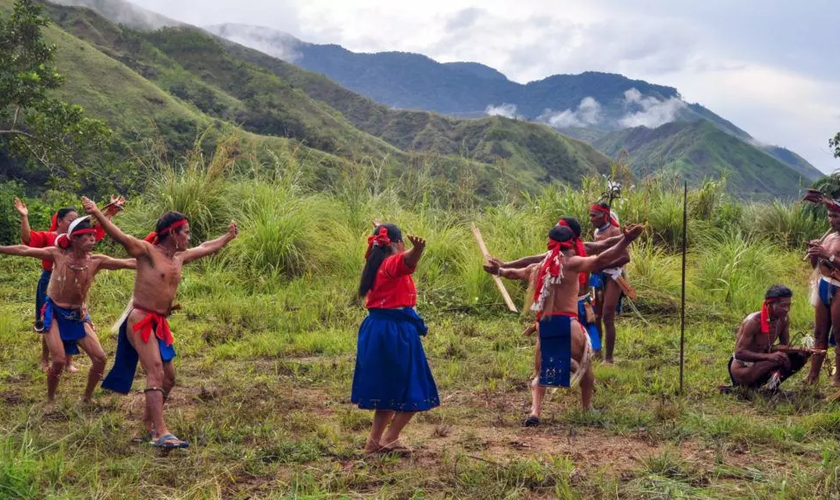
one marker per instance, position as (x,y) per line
(62,213)
(376,257)
(167,220)
(561,234)
(778,292)
(574,225)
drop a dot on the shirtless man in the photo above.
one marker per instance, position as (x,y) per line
(607,291)
(825,255)
(44,239)
(584,298)
(564,346)
(66,321)
(756,361)
(145,332)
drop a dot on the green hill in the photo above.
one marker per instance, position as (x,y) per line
(176,82)
(699,150)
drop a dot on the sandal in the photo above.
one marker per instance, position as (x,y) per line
(531,421)
(169,441)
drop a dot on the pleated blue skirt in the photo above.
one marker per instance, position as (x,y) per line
(391,368)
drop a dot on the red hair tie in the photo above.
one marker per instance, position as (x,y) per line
(54,222)
(380,239)
(607,211)
(551,272)
(765,315)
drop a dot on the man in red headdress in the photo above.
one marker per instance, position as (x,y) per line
(144,334)
(758,361)
(607,290)
(564,346)
(44,239)
(67,325)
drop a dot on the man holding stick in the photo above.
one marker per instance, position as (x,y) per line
(758,361)
(824,256)
(564,346)
(145,333)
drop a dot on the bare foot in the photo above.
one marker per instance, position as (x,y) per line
(45,364)
(71,368)
(609,361)
(371,447)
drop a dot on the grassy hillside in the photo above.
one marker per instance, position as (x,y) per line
(266,350)
(699,150)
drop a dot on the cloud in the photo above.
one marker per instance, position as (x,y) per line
(505,110)
(588,113)
(266,40)
(652,112)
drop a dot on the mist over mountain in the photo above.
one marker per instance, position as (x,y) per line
(597,103)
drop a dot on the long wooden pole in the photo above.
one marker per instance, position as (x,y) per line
(501,286)
(682,299)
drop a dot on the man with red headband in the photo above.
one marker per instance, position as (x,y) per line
(67,324)
(755,363)
(564,346)
(144,333)
(607,291)
(582,249)
(825,258)
(43,239)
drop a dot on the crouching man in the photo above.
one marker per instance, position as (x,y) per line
(758,361)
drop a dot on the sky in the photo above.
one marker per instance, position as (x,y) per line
(767,66)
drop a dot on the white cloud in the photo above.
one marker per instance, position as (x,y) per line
(506,110)
(653,112)
(587,114)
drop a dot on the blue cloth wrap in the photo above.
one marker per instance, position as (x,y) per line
(591,328)
(121,376)
(598,281)
(392,372)
(41,293)
(555,351)
(827,292)
(71,324)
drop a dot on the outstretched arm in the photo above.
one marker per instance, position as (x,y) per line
(135,247)
(25,251)
(210,247)
(608,257)
(25,230)
(521,274)
(112,264)
(418,246)
(493,264)
(596,247)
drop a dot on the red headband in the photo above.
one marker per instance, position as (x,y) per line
(63,240)
(580,250)
(154,237)
(765,315)
(380,239)
(550,270)
(607,211)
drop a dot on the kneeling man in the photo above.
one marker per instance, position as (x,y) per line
(757,361)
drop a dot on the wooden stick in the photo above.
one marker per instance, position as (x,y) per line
(501,286)
(821,240)
(626,288)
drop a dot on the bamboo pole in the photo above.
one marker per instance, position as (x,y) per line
(501,286)
(682,299)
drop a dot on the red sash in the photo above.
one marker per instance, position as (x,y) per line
(146,325)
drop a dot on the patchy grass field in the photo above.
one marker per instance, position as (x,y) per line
(263,395)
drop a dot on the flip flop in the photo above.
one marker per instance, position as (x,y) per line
(531,421)
(165,442)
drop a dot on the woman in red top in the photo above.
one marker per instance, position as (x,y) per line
(43,239)
(392,375)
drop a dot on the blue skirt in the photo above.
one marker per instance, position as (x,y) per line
(391,368)
(591,328)
(41,294)
(827,293)
(71,325)
(555,351)
(121,376)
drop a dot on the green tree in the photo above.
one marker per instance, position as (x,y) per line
(34,124)
(834,143)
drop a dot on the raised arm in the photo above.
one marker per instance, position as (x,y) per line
(135,247)
(25,251)
(111,264)
(609,256)
(25,230)
(412,256)
(210,247)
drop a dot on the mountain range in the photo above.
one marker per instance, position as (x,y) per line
(390,108)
